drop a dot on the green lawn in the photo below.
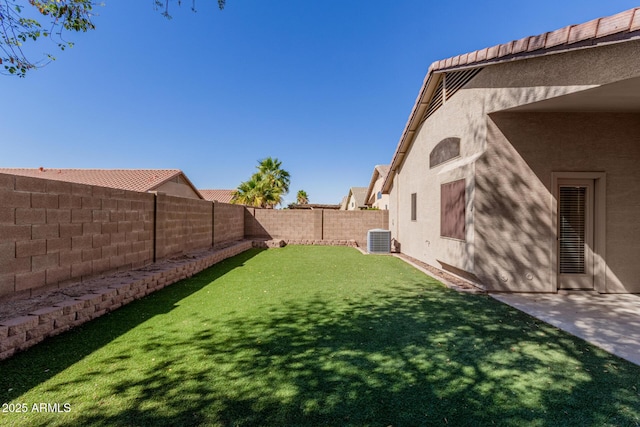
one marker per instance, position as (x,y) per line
(318,336)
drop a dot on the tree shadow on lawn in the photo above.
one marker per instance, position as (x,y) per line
(38,364)
(411,355)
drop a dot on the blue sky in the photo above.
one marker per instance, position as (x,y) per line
(324,86)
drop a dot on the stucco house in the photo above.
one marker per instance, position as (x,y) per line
(168,181)
(355,200)
(375,198)
(518,166)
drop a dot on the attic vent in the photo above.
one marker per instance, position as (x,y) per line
(449,84)
(455,81)
(379,241)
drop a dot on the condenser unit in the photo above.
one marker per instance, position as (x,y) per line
(379,241)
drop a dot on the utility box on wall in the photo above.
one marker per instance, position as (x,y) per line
(379,241)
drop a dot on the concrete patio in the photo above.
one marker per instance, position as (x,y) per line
(609,321)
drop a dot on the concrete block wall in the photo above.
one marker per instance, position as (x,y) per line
(53,233)
(284,224)
(315,225)
(18,334)
(182,225)
(345,225)
(228,223)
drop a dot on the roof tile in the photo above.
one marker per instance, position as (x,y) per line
(537,42)
(615,24)
(557,37)
(222,196)
(520,45)
(635,22)
(124,179)
(584,31)
(493,52)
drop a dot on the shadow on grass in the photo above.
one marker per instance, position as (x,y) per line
(412,354)
(40,363)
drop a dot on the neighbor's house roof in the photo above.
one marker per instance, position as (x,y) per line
(142,180)
(358,194)
(380,171)
(611,29)
(222,196)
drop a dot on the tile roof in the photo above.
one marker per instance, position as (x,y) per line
(222,196)
(142,180)
(615,28)
(606,29)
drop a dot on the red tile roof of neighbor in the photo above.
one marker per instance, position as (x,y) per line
(610,29)
(142,180)
(222,196)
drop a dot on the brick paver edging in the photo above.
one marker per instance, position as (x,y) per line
(18,334)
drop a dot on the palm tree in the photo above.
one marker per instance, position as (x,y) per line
(302,197)
(266,187)
(271,169)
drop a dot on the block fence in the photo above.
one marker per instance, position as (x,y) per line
(318,225)
(54,234)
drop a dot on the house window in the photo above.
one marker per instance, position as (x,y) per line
(452,209)
(414,208)
(379,195)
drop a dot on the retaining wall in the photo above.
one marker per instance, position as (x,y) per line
(18,334)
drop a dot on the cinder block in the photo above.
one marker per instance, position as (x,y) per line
(91,254)
(45,231)
(81,242)
(7,182)
(15,199)
(31,280)
(100,265)
(7,215)
(70,257)
(82,269)
(58,274)
(70,230)
(43,262)
(30,216)
(24,248)
(44,200)
(92,228)
(69,201)
(57,216)
(81,215)
(58,245)
(58,187)
(90,300)
(100,215)
(35,185)
(100,240)
(81,190)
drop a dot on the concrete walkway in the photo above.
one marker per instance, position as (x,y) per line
(609,321)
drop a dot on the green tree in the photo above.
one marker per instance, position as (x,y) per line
(20,24)
(266,187)
(302,197)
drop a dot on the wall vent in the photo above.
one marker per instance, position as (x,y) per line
(379,241)
(448,85)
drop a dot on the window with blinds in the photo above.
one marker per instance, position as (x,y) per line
(572,229)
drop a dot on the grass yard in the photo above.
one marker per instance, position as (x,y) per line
(314,336)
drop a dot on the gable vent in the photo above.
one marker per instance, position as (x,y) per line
(449,84)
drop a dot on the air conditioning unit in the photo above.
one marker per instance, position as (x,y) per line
(379,241)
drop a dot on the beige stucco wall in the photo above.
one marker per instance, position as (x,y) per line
(488,163)
(513,204)
(383,202)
